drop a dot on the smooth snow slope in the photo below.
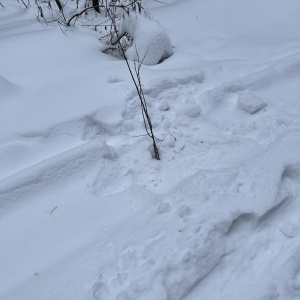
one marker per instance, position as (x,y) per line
(86,213)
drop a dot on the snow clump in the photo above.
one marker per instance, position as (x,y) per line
(250,103)
(151,43)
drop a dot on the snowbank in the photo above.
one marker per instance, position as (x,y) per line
(151,43)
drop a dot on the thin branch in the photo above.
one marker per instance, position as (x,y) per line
(51,212)
(138,86)
(40,12)
(95,7)
(140,135)
(161,141)
(84,10)
(118,39)
(24,4)
(160,2)
(59,5)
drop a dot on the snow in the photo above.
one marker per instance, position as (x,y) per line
(250,103)
(151,43)
(87,213)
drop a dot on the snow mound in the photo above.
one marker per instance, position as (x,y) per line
(151,43)
(190,108)
(250,103)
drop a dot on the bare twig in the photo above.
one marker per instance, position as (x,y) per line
(83,11)
(138,85)
(146,134)
(40,11)
(97,8)
(26,5)
(161,141)
(59,5)
(53,210)
(61,9)
(160,2)
(118,39)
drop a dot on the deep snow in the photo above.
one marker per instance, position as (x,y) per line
(86,213)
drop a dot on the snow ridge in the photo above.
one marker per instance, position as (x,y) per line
(51,171)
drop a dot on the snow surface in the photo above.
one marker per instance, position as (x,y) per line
(87,213)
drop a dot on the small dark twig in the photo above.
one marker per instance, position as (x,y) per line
(40,12)
(24,4)
(160,2)
(59,5)
(83,11)
(118,39)
(161,141)
(146,134)
(53,210)
(93,7)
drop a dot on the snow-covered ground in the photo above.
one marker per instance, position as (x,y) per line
(87,213)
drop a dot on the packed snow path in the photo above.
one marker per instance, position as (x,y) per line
(86,213)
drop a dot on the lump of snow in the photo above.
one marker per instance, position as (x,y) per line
(290,229)
(151,43)
(250,103)
(190,108)
(114,79)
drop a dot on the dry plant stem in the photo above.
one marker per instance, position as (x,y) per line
(1,4)
(96,5)
(118,40)
(97,8)
(40,11)
(139,89)
(59,5)
(84,10)
(146,117)
(160,2)
(24,4)
(61,9)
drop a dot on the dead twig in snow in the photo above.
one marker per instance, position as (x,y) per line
(138,85)
(26,5)
(51,212)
